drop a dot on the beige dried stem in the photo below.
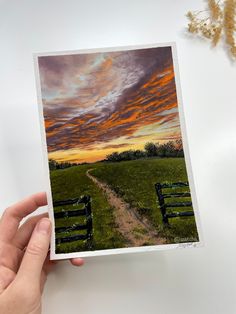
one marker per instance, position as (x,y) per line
(230,24)
(215,23)
(215,9)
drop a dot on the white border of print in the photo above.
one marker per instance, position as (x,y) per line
(53,255)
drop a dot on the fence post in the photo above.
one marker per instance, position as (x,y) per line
(161,203)
(89,222)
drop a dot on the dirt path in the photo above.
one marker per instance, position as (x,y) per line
(137,230)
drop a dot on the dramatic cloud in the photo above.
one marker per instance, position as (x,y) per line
(92,100)
(115,146)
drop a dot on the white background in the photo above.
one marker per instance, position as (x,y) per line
(189,281)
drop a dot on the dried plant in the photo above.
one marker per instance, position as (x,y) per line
(215,23)
(215,9)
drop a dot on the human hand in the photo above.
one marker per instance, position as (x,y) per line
(24,261)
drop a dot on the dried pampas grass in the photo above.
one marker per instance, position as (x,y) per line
(215,23)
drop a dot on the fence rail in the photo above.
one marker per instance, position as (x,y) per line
(172,195)
(87,226)
(71,238)
(72,201)
(70,213)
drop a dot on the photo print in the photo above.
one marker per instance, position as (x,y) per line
(115,151)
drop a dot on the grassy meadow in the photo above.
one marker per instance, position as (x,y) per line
(134,182)
(71,183)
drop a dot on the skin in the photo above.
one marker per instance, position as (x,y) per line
(24,260)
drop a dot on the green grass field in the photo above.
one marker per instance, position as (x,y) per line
(134,182)
(72,183)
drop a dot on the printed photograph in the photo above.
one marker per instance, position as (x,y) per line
(115,151)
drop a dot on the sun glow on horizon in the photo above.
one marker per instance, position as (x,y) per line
(91,156)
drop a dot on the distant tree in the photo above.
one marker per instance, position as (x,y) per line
(139,154)
(128,155)
(113,157)
(179,144)
(161,150)
(151,149)
(52,164)
(169,148)
(179,148)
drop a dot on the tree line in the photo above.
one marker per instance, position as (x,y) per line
(168,149)
(53,164)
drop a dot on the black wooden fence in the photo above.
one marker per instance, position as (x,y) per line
(86,211)
(163,193)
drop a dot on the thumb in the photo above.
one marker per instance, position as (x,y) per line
(36,252)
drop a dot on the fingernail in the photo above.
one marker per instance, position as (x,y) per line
(44,226)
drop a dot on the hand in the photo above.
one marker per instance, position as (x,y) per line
(24,261)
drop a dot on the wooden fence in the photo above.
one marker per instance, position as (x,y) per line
(164,206)
(86,211)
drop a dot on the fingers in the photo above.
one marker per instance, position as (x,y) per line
(36,252)
(12,216)
(10,256)
(43,280)
(77,261)
(6,277)
(47,268)
(24,233)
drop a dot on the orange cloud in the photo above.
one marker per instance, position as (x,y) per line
(138,107)
(112,101)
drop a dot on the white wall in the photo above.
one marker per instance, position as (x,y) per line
(190,281)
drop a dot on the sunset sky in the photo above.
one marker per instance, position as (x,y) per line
(98,103)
